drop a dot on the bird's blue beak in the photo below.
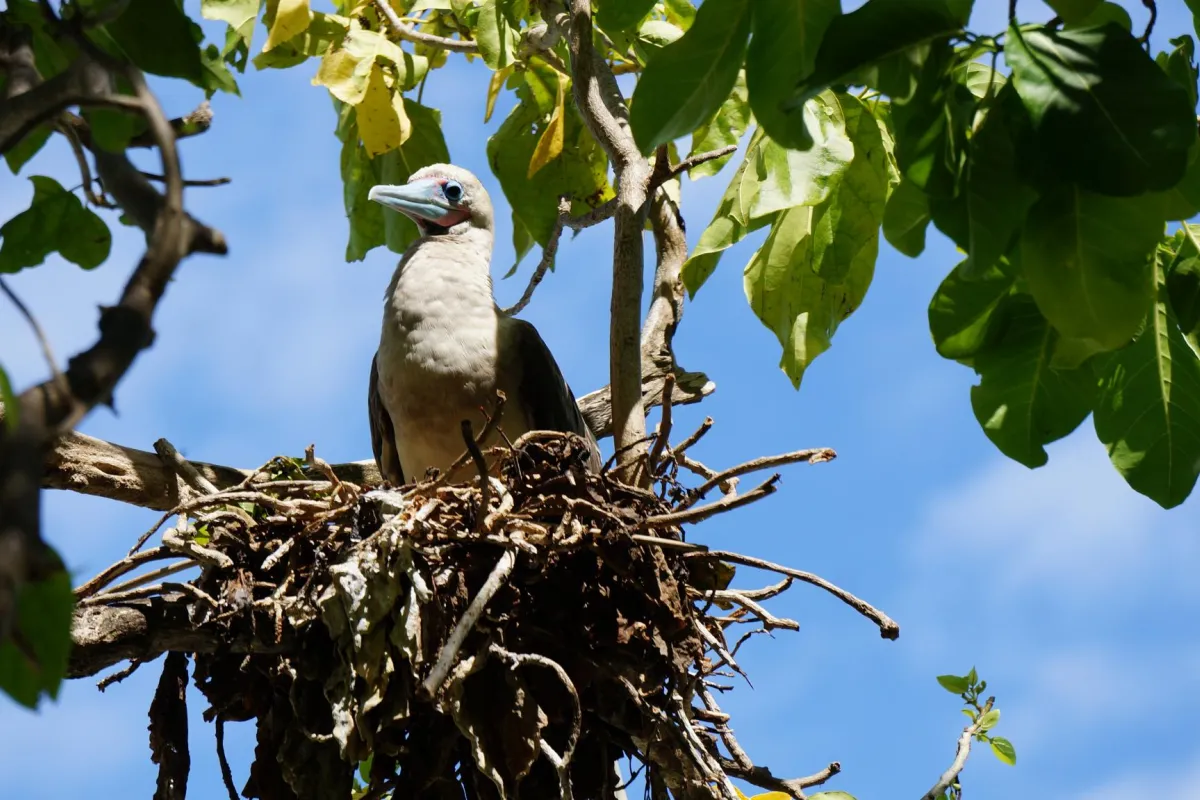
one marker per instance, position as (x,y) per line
(421,200)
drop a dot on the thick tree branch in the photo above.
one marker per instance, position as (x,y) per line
(603,109)
(145,629)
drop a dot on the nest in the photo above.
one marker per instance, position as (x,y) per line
(511,637)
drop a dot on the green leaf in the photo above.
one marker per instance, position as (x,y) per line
(1073,10)
(579,172)
(19,154)
(346,68)
(1003,750)
(997,199)
(159,38)
(1087,259)
(787,294)
(359,174)
(522,244)
(217,77)
(680,12)
(8,399)
(724,129)
(619,15)
(1183,287)
(1022,402)
(1180,64)
(55,220)
(1108,118)
(689,79)
(847,222)
(1182,201)
(1148,415)
(876,31)
(653,36)
(770,179)
(783,49)
(930,135)
(955,684)
(111,128)
(962,312)
(906,218)
(981,78)
(496,38)
(1105,13)
(989,719)
(33,659)
(972,677)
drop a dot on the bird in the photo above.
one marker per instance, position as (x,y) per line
(446,348)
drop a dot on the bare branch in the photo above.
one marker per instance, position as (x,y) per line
(961,753)
(664,426)
(183,468)
(408,34)
(226,772)
(696,436)
(604,111)
(794,787)
(888,628)
(704,512)
(812,456)
(691,162)
(549,250)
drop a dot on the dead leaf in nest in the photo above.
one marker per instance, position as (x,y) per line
(169,729)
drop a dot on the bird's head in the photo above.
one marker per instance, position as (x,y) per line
(440,198)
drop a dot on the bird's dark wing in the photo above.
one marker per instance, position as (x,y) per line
(383,435)
(545,395)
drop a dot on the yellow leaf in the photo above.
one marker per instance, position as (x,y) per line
(771,796)
(291,19)
(345,75)
(550,145)
(379,124)
(498,79)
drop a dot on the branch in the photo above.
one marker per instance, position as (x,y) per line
(605,113)
(145,629)
(960,754)
(691,162)
(193,123)
(816,455)
(888,628)
(402,31)
(704,512)
(762,777)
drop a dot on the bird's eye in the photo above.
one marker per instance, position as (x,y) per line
(453,191)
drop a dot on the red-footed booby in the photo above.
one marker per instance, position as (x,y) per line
(445,347)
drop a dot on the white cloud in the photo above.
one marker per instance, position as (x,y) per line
(1181,783)
(1072,529)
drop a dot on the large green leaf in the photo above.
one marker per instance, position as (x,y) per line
(239,15)
(770,179)
(997,199)
(1148,415)
(724,129)
(618,15)
(1108,118)
(1182,201)
(1073,10)
(1180,64)
(783,49)
(55,221)
(878,30)
(802,309)
(324,32)
(926,130)
(1022,402)
(846,223)
(18,155)
(33,658)
(962,314)
(1087,260)
(579,172)
(159,38)
(687,81)
(496,37)
(906,218)
(1183,287)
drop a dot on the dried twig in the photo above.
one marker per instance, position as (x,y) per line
(409,34)
(888,628)
(485,486)
(704,512)
(696,436)
(691,162)
(664,426)
(793,787)
(127,564)
(441,668)
(961,752)
(120,674)
(812,456)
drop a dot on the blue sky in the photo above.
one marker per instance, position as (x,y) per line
(1073,596)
